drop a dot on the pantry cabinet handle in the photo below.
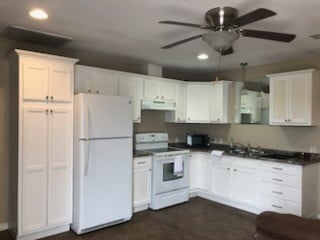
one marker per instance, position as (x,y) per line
(276,179)
(277,168)
(276,206)
(276,192)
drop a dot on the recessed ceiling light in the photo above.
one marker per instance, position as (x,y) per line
(203,56)
(38,14)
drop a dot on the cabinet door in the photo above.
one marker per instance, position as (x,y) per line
(244,185)
(300,99)
(221,181)
(204,173)
(151,89)
(141,186)
(193,172)
(35,79)
(61,82)
(60,167)
(33,206)
(105,82)
(181,103)
(133,87)
(216,103)
(167,90)
(278,100)
(83,82)
(197,103)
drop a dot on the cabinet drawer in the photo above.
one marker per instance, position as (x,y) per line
(281,179)
(281,168)
(141,162)
(267,203)
(280,192)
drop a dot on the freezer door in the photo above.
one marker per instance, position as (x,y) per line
(103,116)
(106,188)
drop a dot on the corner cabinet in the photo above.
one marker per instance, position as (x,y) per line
(295,98)
(141,183)
(41,171)
(211,102)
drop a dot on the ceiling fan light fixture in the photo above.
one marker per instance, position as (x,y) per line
(221,40)
(203,56)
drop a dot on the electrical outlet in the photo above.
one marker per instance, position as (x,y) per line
(313,149)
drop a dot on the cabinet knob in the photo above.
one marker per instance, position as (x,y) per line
(234,170)
(51,111)
(178,119)
(162,97)
(228,168)
(97,91)
(51,97)
(47,110)
(157,96)
(289,120)
(89,91)
(188,118)
(47,97)
(138,118)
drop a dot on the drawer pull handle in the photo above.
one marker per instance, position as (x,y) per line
(277,168)
(280,193)
(276,179)
(276,206)
(141,162)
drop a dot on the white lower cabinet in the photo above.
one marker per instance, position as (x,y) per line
(141,183)
(199,172)
(234,179)
(255,185)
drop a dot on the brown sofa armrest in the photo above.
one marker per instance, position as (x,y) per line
(287,226)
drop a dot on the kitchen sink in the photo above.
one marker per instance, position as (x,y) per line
(280,156)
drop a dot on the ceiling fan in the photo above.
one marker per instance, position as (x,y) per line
(224,27)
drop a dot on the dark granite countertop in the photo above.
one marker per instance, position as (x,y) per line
(295,158)
(138,153)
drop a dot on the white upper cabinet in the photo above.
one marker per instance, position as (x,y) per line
(210,102)
(132,86)
(179,115)
(294,98)
(198,101)
(221,102)
(45,80)
(96,80)
(159,89)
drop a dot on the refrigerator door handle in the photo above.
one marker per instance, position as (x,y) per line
(86,164)
(87,117)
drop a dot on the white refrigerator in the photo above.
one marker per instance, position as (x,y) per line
(102,161)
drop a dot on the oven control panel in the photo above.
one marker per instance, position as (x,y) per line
(151,137)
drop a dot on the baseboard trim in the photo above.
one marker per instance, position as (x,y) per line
(3,226)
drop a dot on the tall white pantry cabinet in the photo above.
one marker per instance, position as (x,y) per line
(41,144)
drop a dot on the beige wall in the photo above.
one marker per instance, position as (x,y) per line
(288,138)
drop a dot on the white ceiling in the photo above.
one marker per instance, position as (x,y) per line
(129,29)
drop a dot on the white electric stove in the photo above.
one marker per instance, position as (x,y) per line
(170,170)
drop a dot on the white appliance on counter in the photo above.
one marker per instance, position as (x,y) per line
(102,161)
(170,170)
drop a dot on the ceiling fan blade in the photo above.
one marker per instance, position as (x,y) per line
(185,24)
(256,15)
(227,51)
(180,42)
(281,37)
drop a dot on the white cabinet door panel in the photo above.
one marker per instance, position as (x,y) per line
(142,186)
(197,103)
(35,75)
(34,170)
(216,103)
(299,99)
(132,87)
(61,83)
(151,89)
(221,181)
(83,82)
(105,82)
(278,100)
(60,167)
(244,189)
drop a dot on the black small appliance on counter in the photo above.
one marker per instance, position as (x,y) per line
(197,140)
